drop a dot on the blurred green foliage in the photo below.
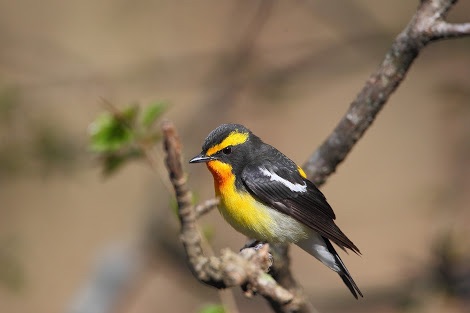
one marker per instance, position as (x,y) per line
(152,112)
(212,308)
(11,269)
(8,99)
(119,136)
(29,144)
(208,231)
(53,149)
(110,132)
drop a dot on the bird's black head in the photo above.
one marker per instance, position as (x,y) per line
(232,144)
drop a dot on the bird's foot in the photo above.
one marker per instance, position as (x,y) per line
(257,245)
(253,243)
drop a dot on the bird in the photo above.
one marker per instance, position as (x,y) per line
(267,197)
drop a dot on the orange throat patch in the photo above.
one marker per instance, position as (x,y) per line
(222,174)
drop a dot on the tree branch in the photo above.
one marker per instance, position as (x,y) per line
(248,268)
(206,206)
(427,25)
(444,30)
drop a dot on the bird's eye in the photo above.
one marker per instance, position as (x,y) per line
(227,150)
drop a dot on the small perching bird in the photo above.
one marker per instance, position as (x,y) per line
(267,197)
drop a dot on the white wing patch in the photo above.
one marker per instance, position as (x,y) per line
(292,186)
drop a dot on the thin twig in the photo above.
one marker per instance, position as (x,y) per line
(206,206)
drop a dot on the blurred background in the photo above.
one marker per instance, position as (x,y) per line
(72,240)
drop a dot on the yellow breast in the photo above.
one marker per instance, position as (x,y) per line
(248,216)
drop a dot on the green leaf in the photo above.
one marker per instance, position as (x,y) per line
(120,135)
(152,112)
(111,163)
(110,132)
(212,308)
(129,114)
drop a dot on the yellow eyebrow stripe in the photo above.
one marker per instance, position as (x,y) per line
(233,139)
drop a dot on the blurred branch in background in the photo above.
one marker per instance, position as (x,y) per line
(444,283)
(29,144)
(242,68)
(111,284)
(230,73)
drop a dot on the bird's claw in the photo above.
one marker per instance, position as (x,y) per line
(257,245)
(253,243)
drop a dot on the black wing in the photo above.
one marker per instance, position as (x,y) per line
(287,191)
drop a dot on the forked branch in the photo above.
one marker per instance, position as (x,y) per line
(248,269)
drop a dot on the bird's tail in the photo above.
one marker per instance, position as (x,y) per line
(343,273)
(322,249)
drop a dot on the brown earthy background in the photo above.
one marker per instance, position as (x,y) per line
(288,71)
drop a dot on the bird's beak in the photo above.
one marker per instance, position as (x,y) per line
(201,158)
